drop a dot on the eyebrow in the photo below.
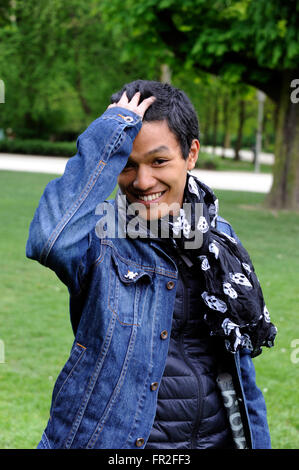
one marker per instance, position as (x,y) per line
(161,148)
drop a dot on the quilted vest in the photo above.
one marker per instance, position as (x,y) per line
(190,413)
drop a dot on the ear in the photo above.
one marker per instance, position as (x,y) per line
(193,154)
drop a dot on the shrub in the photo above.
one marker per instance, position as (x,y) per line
(38,147)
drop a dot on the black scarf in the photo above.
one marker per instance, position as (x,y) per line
(233,302)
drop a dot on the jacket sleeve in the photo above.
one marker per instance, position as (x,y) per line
(59,234)
(255,403)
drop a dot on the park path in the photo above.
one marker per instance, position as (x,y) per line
(230,180)
(245,155)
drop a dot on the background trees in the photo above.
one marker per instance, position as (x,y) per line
(59,66)
(60,62)
(249,41)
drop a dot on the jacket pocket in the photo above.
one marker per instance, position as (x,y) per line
(68,372)
(128,284)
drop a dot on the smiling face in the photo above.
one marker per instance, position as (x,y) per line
(155,174)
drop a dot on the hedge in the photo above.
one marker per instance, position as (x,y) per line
(38,147)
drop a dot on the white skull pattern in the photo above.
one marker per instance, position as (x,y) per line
(186,228)
(266,315)
(204,263)
(192,186)
(228,326)
(229,290)
(202,225)
(232,239)
(182,223)
(247,267)
(214,303)
(213,222)
(213,248)
(176,226)
(240,278)
(130,275)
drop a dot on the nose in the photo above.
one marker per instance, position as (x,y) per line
(144,179)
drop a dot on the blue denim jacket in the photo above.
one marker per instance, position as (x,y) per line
(103,397)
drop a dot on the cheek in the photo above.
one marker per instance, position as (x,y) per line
(178,183)
(122,181)
(174,177)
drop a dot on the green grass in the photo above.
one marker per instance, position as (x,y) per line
(37,335)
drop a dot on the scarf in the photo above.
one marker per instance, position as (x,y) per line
(232,298)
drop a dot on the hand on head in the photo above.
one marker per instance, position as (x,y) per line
(134,105)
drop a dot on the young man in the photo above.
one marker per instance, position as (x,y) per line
(165,322)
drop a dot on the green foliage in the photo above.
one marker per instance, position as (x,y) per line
(239,39)
(61,61)
(59,66)
(275,32)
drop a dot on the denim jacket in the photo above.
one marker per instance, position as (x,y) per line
(122,294)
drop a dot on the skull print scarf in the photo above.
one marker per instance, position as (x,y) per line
(232,299)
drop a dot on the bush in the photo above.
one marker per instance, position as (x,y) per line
(207,161)
(38,147)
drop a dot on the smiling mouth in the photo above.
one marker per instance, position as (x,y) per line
(150,197)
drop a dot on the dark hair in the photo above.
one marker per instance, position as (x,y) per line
(171,104)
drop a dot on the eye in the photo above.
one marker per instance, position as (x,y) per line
(129,165)
(160,161)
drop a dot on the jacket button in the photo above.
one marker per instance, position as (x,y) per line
(139,442)
(154,386)
(164,334)
(170,285)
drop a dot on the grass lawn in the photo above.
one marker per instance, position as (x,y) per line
(37,336)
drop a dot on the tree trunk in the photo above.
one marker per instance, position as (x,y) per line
(238,143)
(284,193)
(85,106)
(205,132)
(78,80)
(215,124)
(226,125)
(165,74)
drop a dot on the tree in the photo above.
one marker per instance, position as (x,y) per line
(250,41)
(59,67)
(32,67)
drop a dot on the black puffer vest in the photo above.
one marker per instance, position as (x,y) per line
(190,412)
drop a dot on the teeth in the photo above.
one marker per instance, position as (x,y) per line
(151,197)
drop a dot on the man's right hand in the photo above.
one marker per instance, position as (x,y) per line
(134,105)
